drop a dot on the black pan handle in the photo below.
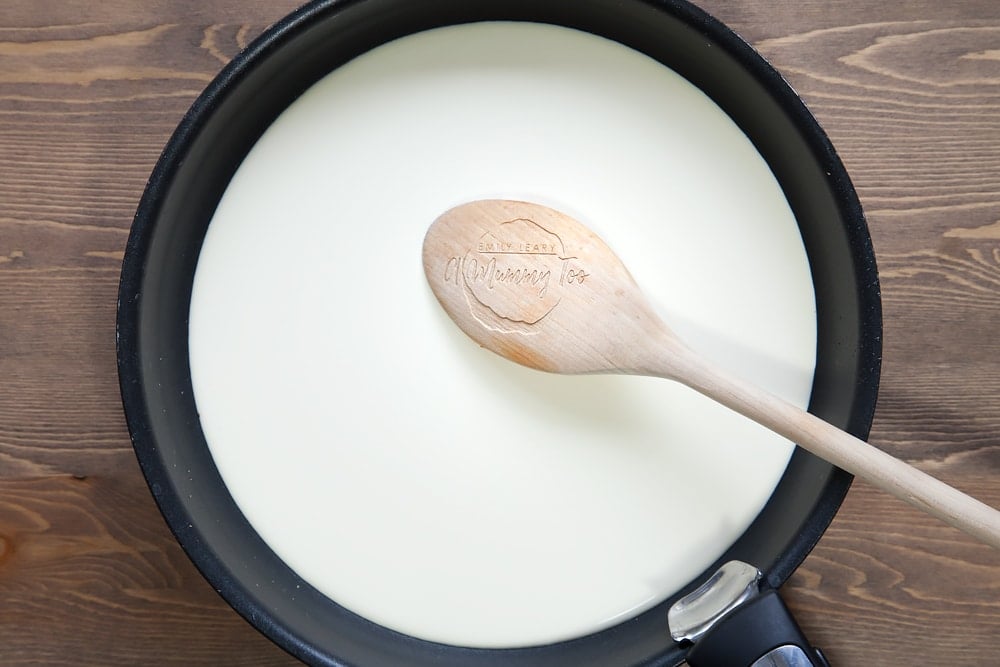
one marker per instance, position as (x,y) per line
(760,632)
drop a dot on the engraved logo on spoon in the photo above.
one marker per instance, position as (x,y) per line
(517,271)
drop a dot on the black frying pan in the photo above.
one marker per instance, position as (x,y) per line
(224,124)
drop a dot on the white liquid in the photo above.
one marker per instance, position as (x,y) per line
(423,482)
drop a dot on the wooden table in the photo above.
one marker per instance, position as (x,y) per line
(89,93)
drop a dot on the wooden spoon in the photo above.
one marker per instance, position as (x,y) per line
(539,288)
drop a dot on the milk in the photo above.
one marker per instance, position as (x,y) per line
(427,484)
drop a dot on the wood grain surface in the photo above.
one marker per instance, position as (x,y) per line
(909,92)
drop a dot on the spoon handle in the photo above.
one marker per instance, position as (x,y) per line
(836,446)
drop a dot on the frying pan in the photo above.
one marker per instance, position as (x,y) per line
(208,147)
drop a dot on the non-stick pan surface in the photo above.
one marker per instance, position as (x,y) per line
(224,124)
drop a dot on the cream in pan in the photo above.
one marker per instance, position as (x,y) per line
(413,477)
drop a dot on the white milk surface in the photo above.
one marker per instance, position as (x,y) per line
(427,484)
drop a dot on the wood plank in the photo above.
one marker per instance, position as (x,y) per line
(90,575)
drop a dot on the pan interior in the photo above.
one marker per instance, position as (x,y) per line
(414,478)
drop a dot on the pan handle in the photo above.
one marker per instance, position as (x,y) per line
(731,622)
(759,633)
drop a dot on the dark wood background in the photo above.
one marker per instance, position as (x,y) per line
(89,92)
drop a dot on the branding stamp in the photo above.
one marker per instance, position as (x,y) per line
(518,271)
